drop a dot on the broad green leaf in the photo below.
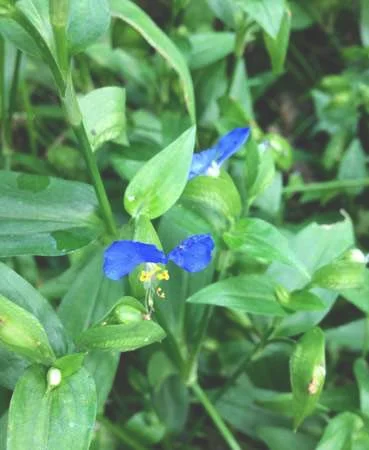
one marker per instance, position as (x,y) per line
(225,10)
(69,364)
(249,293)
(60,419)
(102,366)
(215,199)
(361,371)
(350,336)
(146,426)
(138,19)
(103,112)
(150,192)
(37,12)
(159,368)
(45,216)
(20,292)
(240,89)
(277,47)
(360,296)
(239,408)
(171,401)
(88,20)
(307,371)
(259,239)
(303,300)
(353,165)
(207,48)
(90,297)
(315,246)
(340,432)
(23,334)
(123,338)
(267,13)
(283,438)
(260,170)
(340,275)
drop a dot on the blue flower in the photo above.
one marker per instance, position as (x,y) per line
(192,254)
(208,162)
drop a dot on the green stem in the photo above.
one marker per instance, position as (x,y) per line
(13,95)
(327,186)
(59,12)
(121,434)
(30,116)
(74,115)
(84,143)
(216,418)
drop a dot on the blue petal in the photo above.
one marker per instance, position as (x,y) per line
(230,143)
(194,253)
(201,162)
(121,257)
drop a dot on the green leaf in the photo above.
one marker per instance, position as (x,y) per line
(90,297)
(3,428)
(303,300)
(307,371)
(69,364)
(361,371)
(340,432)
(58,419)
(225,10)
(208,48)
(37,12)
(138,19)
(150,192)
(260,170)
(103,112)
(20,292)
(171,402)
(23,334)
(46,216)
(267,13)
(364,22)
(215,199)
(277,47)
(103,366)
(283,438)
(88,20)
(360,296)
(353,165)
(124,338)
(259,239)
(249,293)
(340,275)
(315,245)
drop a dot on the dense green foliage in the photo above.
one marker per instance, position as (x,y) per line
(102,105)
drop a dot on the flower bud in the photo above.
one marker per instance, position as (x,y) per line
(53,377)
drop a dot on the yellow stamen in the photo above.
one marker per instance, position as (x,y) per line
(163,275)
(160,293)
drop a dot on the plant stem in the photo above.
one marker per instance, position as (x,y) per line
(32,134)
(121,434)
(85,146)
(59,12)
(67,95)
(216,418)
(13,96)
(327,186)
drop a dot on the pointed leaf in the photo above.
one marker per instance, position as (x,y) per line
(307,371)
(138,19)
(103,113)
(59,419)
(159,183)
